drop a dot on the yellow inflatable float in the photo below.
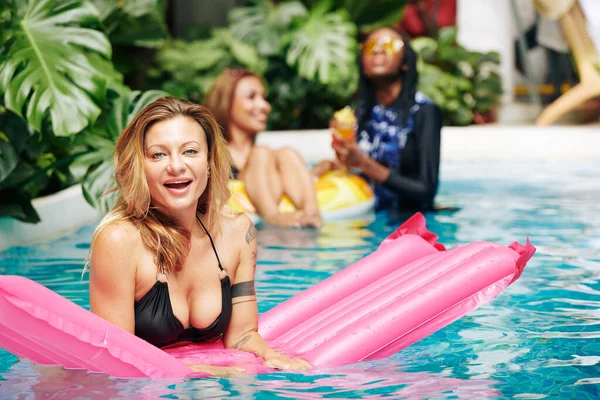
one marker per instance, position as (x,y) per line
(340,195)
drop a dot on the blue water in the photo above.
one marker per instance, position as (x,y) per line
(538,339)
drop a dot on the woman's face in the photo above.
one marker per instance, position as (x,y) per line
(176,163)
(382,54)
(250,109)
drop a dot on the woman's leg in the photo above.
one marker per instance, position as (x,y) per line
(298,183)
(264,187)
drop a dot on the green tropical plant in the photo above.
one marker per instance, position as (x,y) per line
(56,64)
(32,164)
(57,80)
(265,24)
(320,44)
(465,84)
(372,14)
(323,46)
(311,57)
(138,23)
(95,168)
(55,73)
(188,69)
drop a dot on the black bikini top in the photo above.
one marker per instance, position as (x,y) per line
(156,323)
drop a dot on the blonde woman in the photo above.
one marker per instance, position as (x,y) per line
(167,264)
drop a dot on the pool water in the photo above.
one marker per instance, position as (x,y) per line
(538,339)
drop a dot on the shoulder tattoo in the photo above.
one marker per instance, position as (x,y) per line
(251,234)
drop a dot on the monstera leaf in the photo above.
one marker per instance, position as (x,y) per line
(96,167)
(324,47)
(264,24)
(56,64)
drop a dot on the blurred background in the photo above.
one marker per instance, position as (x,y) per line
(74,72)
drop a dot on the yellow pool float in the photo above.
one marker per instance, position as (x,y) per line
(340,195)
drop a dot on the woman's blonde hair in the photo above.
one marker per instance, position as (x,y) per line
(219,98)
(160,234)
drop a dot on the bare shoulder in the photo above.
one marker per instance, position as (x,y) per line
(238,227)
(117,235)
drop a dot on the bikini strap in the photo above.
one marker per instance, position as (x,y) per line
(211,243)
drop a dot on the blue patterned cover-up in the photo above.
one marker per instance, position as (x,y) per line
(383,138)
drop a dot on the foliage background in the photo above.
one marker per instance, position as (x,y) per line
(74,72)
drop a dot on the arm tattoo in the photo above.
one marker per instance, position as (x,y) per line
(243,301)
(251,234)
(241,342)
(243,289)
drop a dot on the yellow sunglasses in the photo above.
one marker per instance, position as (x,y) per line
(389,46)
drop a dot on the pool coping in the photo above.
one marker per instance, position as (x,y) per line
(66,211)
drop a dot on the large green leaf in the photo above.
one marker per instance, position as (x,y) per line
(56,64)
(97,166)
(264,24)
(243,53)
(324,47)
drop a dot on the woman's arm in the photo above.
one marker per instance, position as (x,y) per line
(243,333)
(112,275)
(428,127)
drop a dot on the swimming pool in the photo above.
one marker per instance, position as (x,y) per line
(540,338)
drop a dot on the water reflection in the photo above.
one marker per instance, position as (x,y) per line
(367,381)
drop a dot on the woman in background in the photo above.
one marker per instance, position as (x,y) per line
(398,142)
(237,100)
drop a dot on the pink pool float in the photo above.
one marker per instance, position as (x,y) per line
(410,287)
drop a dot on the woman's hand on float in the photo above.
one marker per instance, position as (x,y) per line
(214,370)
(348,152)
(325,166)
(283,362)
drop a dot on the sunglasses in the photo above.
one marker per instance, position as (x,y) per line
(389,46)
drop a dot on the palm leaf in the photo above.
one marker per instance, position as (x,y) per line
(57,65)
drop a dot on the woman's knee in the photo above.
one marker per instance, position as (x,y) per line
(261,154)
(288,154)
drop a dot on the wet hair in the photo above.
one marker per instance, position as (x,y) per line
(159,233)
(365,98)
(219,98)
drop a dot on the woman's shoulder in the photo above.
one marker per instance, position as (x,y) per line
(236,226)
(117,235)
(429,111)
(425,104)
